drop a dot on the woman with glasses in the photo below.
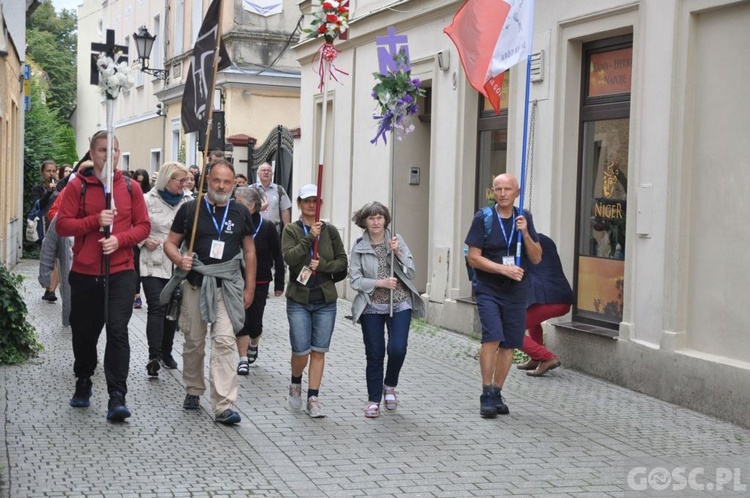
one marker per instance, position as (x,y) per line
(162,203)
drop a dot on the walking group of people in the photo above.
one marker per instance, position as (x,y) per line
(210,260)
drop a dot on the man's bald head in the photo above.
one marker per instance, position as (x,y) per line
(504,178)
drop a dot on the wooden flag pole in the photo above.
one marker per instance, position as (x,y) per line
(321,151)
(206,144)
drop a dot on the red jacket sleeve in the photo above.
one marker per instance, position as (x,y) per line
(141,225)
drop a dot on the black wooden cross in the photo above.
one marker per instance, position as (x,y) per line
(109,49)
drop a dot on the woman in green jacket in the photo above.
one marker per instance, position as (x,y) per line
(311,296)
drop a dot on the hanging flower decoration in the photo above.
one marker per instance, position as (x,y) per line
(114,77)
(395,95)
(330,19)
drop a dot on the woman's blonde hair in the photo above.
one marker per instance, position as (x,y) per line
(167,172)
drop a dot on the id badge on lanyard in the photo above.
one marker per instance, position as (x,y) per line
(508,260)
(217,245)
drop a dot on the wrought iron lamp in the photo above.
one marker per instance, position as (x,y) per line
(144,43)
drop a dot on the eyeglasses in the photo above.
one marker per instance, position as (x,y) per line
(181,180)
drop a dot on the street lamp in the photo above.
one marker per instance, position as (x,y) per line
(144,42)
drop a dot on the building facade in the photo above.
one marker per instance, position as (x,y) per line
(636,169)
(13,15)
(258,92)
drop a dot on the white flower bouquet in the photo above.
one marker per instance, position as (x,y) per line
(114,77)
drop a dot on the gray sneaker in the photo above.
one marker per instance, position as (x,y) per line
(313,408)
(295,397)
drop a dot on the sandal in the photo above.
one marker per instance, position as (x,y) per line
(372,410)
(252,354)
(243,368)
(390,399)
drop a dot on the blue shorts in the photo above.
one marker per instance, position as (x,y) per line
(503,319)
(310,326)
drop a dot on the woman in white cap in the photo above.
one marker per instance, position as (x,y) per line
(311,295)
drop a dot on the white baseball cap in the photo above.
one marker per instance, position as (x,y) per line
(307,191)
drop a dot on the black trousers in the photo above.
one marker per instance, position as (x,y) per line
(159,330)
(87,321)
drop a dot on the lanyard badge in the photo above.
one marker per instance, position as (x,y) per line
(217,245)
(508,259)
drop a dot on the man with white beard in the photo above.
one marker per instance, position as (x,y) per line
(214,290)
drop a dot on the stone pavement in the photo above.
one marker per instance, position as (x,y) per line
(568,435)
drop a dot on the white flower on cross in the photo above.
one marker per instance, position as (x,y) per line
(113,77)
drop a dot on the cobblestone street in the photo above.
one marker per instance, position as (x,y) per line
(568,435)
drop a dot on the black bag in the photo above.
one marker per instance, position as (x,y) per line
(339,276)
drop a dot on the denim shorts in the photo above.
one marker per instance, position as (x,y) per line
(310,326)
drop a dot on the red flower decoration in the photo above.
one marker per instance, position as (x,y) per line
(330,18)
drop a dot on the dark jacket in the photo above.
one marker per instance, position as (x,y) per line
(268,253)
(548,282)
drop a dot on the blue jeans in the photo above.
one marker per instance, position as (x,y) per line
(310,326)
(373,335)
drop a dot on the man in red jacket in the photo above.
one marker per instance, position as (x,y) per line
(83,215)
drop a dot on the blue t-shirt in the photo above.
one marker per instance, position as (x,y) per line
(494,248)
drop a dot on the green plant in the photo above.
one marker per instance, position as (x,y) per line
(420,326)
(396,95)
(18,340)
(519,356)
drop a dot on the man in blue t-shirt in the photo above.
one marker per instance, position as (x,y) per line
(500,287)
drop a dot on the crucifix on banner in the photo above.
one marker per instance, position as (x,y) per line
(388,47)
(117,54)
(110,71)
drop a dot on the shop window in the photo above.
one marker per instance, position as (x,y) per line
(603,182)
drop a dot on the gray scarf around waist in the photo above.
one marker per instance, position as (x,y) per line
(232,284)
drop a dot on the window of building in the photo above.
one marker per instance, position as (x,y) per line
(156,52)
(196,21)
(155,160)
(179,28)
(125,161)
(174,153)
(492,145)
(603,181)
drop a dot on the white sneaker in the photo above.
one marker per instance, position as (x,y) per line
(295,397)
(313,408)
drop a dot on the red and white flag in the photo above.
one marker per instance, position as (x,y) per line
(492,36)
